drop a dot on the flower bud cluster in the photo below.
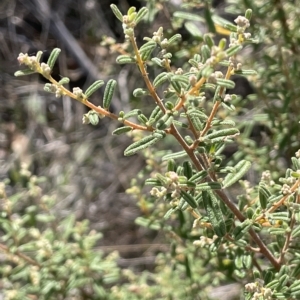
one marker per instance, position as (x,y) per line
(53,88)
(78,92)
(29,61)
(214,76)
(204,241)
(172,184)
(259,291)
(242,24)
(158,35)
(233,62)
(286,189)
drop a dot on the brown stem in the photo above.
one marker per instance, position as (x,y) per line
(142,68)
(263,248)
(20,254)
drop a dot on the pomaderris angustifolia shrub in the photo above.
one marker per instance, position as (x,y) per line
(252,239)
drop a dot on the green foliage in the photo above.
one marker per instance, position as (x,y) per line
(215,237)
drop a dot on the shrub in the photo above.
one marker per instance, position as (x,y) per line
(215,237)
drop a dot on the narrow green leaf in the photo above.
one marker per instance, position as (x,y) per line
(295,286)
(108,93)
(248,14)
(24,72)
(180,78)
(125,59)
(164,122)
(296,163)
(263,194)
(141,15)
(53,57)
(208,40)
(141,144)
(39,56)
(196,121)
(223,122)
(93,88)
(214,213)
(132,113)
(169,213)
(116,12)
(241,229)
(146,50)
(64,80)
(139,92)
(189,199)
(142,119)
(247,261)
(231,27)
(205,53)
(153,181)
(187,169)
(281,215)
(174,155)
(209,20)
(122,130)
(199,176)
(193,29)
(240,170)
(175,38)
(172,166)
(233,50)
(226,83)
(157,61)
(223,133)
(160,79)
(188,16)
(245,72)
(282,282)
(206,186)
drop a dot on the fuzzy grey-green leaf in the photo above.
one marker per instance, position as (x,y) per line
(233,50)
(141,15)
(226,83)
(53,57)
(122,130)
(108,93)
(125,59)
(141,144)
(116,12)
(222,133)
(24,72)
(240,170)
(160,79)
(189,199)
(93,88)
